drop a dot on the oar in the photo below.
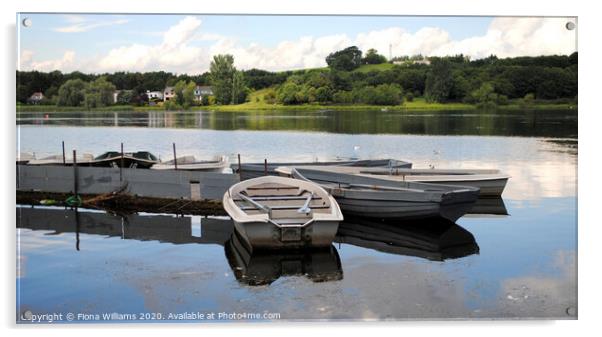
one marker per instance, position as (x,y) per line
(259,206)
(305,208)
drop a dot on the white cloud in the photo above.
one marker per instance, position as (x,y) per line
(81,24)
(65,63)
(174,53)
(178,51)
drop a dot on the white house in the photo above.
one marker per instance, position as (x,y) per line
(202,90)
(154,94)
(168,93)
(35,98)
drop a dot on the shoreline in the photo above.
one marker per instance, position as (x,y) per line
(262,107)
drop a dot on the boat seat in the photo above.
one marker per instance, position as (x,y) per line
(278,197)
(280,208)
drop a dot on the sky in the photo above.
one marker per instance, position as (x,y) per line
(98,43)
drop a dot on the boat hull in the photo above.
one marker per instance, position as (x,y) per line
(451,209)
(378,198)
(128,162)
(268,236)
(489,188)
(254,170)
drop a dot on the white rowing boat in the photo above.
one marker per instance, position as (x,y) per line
(275,212)
(491,183)
(191,163)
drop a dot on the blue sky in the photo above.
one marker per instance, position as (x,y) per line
(140,42)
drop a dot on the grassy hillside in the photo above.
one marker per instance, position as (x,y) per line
(374,67)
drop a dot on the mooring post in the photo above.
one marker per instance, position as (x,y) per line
(239,165)
(74,173)
(64,160)
(175,159)
(77,227)
(265,167)
(121,166)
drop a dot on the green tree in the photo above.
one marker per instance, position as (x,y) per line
(486,96)
(373,57)
(184,93)
(221,76)
(72,93)
(125,97)
(439,81)
(323,94)
(99,93)
(347,59)
(239,88)
(287,93)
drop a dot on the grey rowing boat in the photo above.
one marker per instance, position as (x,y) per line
(377,198)
(254,170)
(490,182)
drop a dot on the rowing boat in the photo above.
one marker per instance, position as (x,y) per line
(490,182)
(378,198)
(254,170)
(276,212)
(190,163)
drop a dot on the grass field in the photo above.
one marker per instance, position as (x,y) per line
(374,67)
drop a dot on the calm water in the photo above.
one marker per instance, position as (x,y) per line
(520,265)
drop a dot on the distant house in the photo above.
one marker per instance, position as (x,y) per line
(116,95)
(168,93)
(408,62)
(157,95)
(423,61)
(201,91)
(35,98)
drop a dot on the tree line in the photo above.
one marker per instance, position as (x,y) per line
(489,81)
(486,81)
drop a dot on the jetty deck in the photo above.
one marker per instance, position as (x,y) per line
(131,189)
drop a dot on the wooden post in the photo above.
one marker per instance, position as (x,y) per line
(265,167)
(64,160)
(175,159)
(239,165)
(121,166)
(74,173)
(77,228)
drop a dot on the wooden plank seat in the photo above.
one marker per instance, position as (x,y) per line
(287,207)
(280,197)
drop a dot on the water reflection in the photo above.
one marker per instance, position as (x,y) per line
(435,240)
(263,268)
(551,123)
(488,207)
(162,228)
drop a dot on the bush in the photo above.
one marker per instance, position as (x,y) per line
(287,93)
(409,97)
(323,94)
(170,105)
(270,96)
(343,97)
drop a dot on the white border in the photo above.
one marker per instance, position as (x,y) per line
(589,152)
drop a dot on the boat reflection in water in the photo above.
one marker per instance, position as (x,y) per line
(490,207)
(265,267)
(434,239)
